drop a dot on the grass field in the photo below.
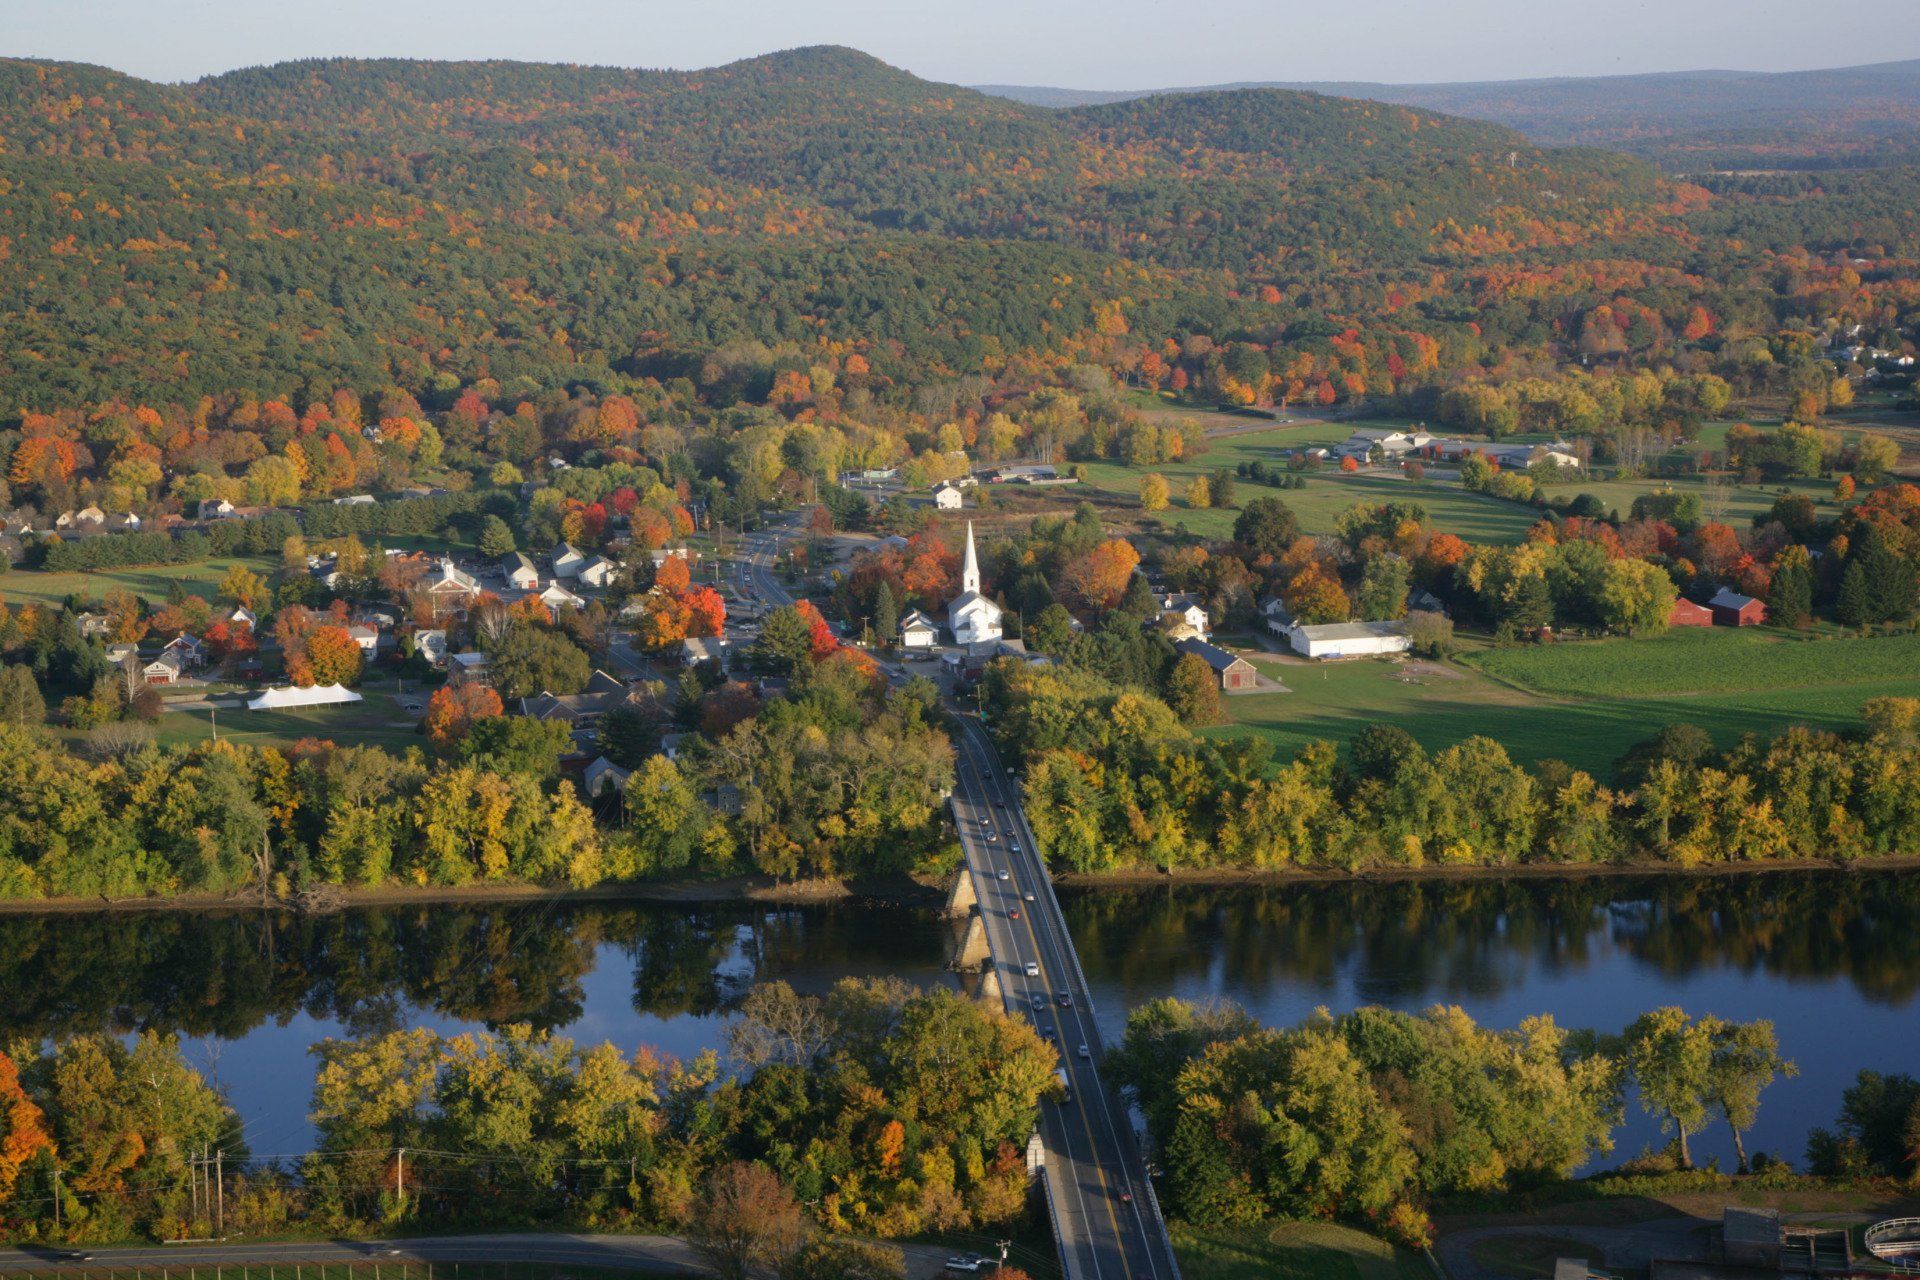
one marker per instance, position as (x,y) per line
(1291,1251)
(1743,502)
(377,722)
(23,586)
(1704,660)
(1584,722)
(1328,492)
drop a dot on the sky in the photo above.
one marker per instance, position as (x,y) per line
(1081,44)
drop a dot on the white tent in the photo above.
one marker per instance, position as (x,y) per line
(319,695)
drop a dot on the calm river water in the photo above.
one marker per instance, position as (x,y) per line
(1832,958)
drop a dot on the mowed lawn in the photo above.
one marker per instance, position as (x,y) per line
(379,721)
(1734,684)
(1290,1251)
(1743,502)
(153,584)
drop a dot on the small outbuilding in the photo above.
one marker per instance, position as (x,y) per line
(1731,609)
(946,497)
(1688,614)
(1233,672)
(520,571)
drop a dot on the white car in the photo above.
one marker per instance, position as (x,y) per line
(1003,873)
(1086,1053)
(1033,970)
(963,1263)
(1013,845)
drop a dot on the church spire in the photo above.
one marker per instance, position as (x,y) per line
(970,569)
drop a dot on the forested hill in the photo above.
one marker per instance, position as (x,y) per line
(1687,120)
(372,222)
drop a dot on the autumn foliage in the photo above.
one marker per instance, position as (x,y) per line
(453,709)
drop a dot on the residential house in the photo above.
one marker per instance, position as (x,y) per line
(698,649)
(918,631)
(431,644)
(1731,609)
(1421,600)
(556,596)
(660,555)
(583,711)
(518,569)
(598,573)
(567,560)
(119,654)
(602,776)
(466,668)
(89,517)
(192,650)
(93,624)
(165,669)
(947,497)
(216,509)
(1349,639)
(241,616)
(355,500)
(670,744)
(125,522)
(1184,609)
(1688,614)
(368,638)
(1234,673)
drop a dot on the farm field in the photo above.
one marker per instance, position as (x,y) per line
(1715,660)
(1743,502)
(32,586)
(1290,1251)
(1441,705)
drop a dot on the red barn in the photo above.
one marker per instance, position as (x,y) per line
(1731,609)
(1688,614)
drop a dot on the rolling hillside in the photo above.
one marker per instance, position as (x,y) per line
(1687,120)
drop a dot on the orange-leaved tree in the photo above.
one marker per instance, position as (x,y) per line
(453,709)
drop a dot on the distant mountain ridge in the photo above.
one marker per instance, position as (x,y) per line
(1867,114)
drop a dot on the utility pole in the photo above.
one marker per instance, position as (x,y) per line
(56,1198)
(401,1181)
(220,1173)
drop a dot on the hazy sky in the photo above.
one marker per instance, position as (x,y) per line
(1089,44)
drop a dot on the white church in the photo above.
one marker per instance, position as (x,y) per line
(971,617)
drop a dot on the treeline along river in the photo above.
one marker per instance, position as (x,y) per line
(1833,958)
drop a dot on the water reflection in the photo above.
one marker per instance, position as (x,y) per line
(1826,955)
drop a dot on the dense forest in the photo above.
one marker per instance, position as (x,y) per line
(291,230)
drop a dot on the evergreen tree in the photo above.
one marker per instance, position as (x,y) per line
(1790,594)
(496,539)
(886,616)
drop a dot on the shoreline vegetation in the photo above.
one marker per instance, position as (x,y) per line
(924,891)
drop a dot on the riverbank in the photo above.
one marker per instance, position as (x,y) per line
(910,891)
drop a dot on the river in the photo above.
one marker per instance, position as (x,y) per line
(1832,958)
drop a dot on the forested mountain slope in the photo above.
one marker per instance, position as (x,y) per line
(297,228)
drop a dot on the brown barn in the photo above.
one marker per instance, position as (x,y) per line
(1688,614)
(1731,609)
(1235,673)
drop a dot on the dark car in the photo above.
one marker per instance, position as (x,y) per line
(1066,999)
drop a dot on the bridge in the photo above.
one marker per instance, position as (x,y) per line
(1106,1217)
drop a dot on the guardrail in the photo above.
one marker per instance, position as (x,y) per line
(1895,1241)
(1053,1214)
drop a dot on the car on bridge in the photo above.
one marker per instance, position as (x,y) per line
(1033,971)
(1066,999)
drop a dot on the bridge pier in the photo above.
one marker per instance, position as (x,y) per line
(971,950)
(961,898)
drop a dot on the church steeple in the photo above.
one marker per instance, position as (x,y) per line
(970,568)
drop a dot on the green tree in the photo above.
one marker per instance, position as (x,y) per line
(1635,597)
(1671,1057)
(496,538)
(1154,492)
(1266,526)
(1193,691)
(530,659)
(1383,589)
(1744,1060)
(886,616)
(786,641)
(516,745)
(1790,591)
(20,700)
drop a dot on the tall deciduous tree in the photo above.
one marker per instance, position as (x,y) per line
(1671,1057)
